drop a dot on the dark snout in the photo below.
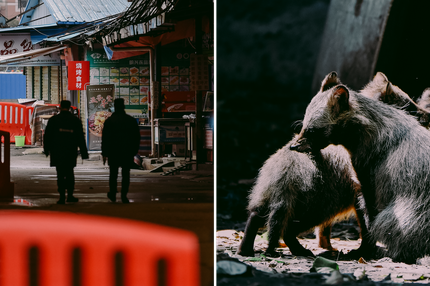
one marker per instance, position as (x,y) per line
(301,146)
(424,118)
(422,115)
(411,108)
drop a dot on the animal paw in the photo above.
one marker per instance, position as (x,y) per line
(303,252)
(245,252)
(272,253)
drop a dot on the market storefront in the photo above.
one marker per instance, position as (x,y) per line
(131,78)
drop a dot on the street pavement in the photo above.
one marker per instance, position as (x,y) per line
(184,200)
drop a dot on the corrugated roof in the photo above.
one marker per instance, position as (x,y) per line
(81,11)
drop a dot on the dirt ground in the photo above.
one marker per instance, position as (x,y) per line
(293,270)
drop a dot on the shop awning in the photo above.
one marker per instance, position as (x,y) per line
(38,36)
(183,29)
(30,54)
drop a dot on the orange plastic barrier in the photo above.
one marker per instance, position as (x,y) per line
(57,234)
(13,118)
(29,112)
(6,187)
(16,119)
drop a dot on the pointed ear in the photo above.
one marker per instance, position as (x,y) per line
(386,94)
(339,99)
(389,89)
(425,95)
(380,77)
(329,81)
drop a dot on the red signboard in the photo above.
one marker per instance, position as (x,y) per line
(79,75)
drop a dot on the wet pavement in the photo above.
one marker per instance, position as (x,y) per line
(183,200)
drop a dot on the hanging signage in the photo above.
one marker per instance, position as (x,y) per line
(78,75)
(99,105)
(19,43)
(13,44)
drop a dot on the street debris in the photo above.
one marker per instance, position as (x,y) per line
(332,271)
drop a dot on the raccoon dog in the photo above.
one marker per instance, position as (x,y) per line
(390,153)
(295,192)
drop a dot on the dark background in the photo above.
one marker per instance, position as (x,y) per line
(266,57)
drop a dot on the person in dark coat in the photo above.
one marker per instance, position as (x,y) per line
(120,143)
(63,136)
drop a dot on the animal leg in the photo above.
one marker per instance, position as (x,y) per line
(324,233)
(368,247)
(294,245)
(276,224)
(254,222)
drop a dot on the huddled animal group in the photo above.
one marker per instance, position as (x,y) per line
(365,153)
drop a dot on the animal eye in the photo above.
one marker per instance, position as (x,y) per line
(315,132)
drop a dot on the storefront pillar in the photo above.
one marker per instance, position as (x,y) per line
(157,98)
(199,106)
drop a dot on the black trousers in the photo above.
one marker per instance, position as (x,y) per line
(113,176)
(65,180)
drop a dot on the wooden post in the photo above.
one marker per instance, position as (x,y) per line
(199,121)
(351,41)
(6,186)
(199,128)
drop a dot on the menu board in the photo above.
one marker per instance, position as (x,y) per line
(175,69)
(199,72)
(175,78)
(130,77)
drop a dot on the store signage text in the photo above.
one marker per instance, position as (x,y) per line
(78,75)
(10,45)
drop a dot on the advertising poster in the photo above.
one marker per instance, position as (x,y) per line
(99,105)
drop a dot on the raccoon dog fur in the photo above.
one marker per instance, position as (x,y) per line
(390,153)
(295,192)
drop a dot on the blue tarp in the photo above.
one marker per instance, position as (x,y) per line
(12,86)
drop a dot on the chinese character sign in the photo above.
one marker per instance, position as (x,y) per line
(13,44)
(78,75)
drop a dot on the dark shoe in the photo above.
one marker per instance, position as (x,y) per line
(61,201)
(125,200)
(112,197)
(72,199)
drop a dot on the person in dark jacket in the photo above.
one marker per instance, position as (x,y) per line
(63,136)
(120,143)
